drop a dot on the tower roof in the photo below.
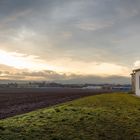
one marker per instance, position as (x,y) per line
(136,70)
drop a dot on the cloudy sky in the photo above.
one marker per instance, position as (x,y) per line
(69,39)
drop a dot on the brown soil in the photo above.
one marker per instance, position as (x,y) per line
(17,101)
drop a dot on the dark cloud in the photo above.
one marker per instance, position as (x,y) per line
(91,30)
(63,78)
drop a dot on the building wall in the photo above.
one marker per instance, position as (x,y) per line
(133,82)
(137,86)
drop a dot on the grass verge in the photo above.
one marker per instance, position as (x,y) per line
(100,117)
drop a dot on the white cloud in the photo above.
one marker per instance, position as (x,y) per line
(23,61)
(66,35)
(93,26)
(136,64)
(62,65)
(24,34)
(92,68)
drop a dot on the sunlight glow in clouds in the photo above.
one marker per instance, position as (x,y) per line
(67,66)
(71,38)
(92,68)
(23,61)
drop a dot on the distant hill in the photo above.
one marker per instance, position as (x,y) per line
(101,117)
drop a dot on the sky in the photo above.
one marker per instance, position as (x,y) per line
(69,40)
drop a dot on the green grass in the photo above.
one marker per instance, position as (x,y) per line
(101,117)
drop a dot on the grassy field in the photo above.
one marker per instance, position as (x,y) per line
(100,117)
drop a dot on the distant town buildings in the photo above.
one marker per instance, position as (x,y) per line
(116,87)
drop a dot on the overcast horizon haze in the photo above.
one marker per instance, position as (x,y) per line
(69,40)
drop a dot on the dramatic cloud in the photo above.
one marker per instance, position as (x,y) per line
(92,37)
(52,76)
(34,63)
(22,61)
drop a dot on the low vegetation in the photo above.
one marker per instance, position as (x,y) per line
(100,117)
